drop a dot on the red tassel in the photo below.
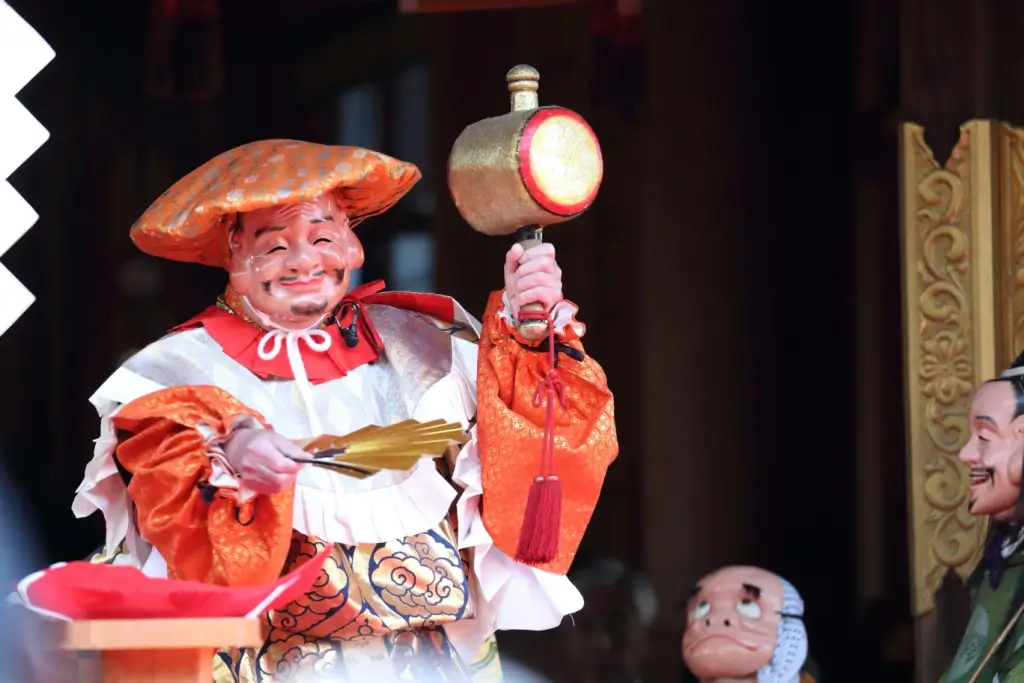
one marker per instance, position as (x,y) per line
(542,523)
(542,520)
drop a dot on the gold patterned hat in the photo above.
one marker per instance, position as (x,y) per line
(190,221)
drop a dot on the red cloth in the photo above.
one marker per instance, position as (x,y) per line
(240,339)
(83,590)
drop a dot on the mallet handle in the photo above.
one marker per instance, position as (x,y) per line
(530,236)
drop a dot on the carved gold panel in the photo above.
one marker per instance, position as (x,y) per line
(1010,272)
(963,283)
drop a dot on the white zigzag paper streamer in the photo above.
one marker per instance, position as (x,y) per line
(23,54)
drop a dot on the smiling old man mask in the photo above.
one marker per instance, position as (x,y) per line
(291,263)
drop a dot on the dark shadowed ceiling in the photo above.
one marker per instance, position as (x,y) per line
(108,40)
(116,24)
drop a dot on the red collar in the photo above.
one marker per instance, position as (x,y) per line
(240,337)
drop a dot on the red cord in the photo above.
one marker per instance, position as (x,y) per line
(539,536)
(549,388)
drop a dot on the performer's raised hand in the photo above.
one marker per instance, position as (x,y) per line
(532,276)
(262,459)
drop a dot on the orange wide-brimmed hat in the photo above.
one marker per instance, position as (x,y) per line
(190,221)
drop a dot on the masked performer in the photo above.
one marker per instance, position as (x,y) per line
(746,624)
(992,648)
(195,468)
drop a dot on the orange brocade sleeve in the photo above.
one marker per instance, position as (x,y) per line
(204,534)
(510,432)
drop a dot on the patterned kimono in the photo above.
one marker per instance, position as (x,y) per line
(995,600)
(421,573)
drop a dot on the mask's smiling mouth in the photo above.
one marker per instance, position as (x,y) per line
(301,283)
(982,475)
(309,282)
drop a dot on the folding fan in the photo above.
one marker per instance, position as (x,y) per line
(371,449)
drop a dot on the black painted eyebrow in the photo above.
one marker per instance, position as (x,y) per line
(262,231)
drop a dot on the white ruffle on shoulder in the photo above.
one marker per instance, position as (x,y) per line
(436,381)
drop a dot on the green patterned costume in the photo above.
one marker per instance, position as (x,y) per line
(993,607)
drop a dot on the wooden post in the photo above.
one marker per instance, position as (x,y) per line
(160,650)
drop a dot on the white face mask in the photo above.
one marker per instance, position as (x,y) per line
(791,648)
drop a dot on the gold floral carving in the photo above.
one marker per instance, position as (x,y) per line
(1011,246)
(948,229)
